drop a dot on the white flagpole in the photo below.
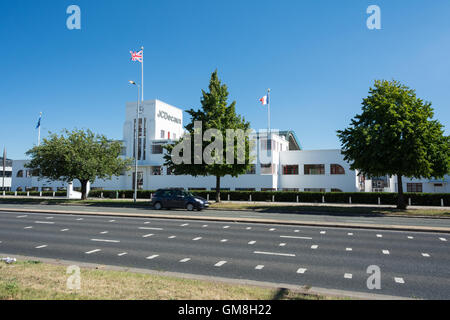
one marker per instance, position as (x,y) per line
(268,111)
(142,83)
(39,129)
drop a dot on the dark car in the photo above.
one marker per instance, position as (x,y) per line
(178,198)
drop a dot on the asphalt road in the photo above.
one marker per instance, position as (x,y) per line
(412,264)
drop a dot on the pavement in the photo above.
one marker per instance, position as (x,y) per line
(412,264)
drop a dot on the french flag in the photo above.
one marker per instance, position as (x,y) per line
(264,100)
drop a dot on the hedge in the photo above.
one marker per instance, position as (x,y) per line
(424,199)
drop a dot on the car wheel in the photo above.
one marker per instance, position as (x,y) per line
(157,206)
(190,207)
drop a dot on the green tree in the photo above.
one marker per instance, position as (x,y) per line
(217,114)
(80,155)
(396,135)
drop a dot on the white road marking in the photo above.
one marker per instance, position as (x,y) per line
(248,228)
(224,240)
(29,227)
(220,263)
(385,251)
(348,276)
(350,234)
(64,230)
(147,235)
(301,270)
(272,229)
(323,232)
(291,237)
(93,251)
(275,253)
(79,219)
(184,225)
(259,267)
(409,237)
(204,226)
(49,218)
(172,237)
(185,260)
(251,242)
(105,240)
(44,222)
(196,239)
(315,246)
(282,244)
(399,280)
(21,216)
(226,227)
(296,230)
(112,221)
(40,247)
(122,254)
(152,257)
(104,232)
(147,228)
(443,239)
(348,249)
(426,255)
(379,236)
(147,222)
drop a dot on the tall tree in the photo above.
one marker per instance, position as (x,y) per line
(396,135)
(77,155)
(215,114)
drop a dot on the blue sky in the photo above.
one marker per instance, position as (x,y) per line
(318,57)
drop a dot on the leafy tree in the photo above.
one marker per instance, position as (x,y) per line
(80,155)
(217,114)
(396,135)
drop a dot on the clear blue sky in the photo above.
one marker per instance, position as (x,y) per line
(318,57)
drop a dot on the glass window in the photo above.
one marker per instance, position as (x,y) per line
(156,170)
(314,189)
(20,174)
(290,169)
(314,169)
(163,134)
(414,187)
(251,170)
(266,168)
(157,148)
(140,180)
(336,169)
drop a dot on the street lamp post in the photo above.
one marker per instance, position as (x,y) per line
(136,140)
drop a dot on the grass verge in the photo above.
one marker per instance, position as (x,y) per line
(33,280)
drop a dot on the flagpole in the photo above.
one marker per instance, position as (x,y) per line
(4,168)
(142,82)
(39,129)
(268,111)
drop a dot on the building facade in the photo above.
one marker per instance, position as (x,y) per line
(279,163)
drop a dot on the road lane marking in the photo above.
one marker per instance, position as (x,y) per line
(379,236)
(204,226)
(296,230)
(196,239)
(220,263)
(323,232)
(62,230)
(248,228)
(282,244)
(224,240)
(29,227)
(147,222)
(112,221)
(122,254)
(272,229)
(350,233)
(399,280)
(104,232)
(226,227)
(147,235)
(314,247)
(348,276)
(44,222)
(426,255)
(348,249)
(251,242)
(105,240)
(294,237)
(148,228)
(275,253)
(49,218)
(443,239)
(22,216)
(185,260)
(152,257)
(40,247)
(409,237)
(79,219)
(301,270)
(172,237)
(385,251)
(184,225)
(93,251)
(259,267)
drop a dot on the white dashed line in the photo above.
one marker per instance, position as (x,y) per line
(385,251)
(301,270)
(314,247)
(348,249)
(275,253)
(409,237)
(399,280)
(220,263)
(251,242)
(62,230)
(272,229)
(105,240)
(259,267)
(29,227)
(348,276)
(224,240)
(147,222)
(443,239)
(112,221)
(196,239)
(104,232)
(79,219)
(172,237)
(147,235)
(40,247)
(426,255)
(49,218)
(226,227)
(152,257)
(323,232)
(185,260)
(248,228)
(204,226)
(184,225)
(291,237)
(282,244)
(350,234)
(296,230)
(122,254)
(148,228)
(379,236)
(21,216)
(93,251)
(44,222)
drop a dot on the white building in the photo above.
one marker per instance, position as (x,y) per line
(280,164)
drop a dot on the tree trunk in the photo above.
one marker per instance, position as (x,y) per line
(217,188)
(401,204)
(84,190)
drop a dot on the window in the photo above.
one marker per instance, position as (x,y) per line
(142,139)
(314,189)
(290,169)
(245,189)
(19,174)
(251,170)
(156,171)
(414,187)
(314,169)
(157,148)
(163,134)
(266,144)
(8,174)
(336,169)
(174,136)
(140,180)
(335,190)
(290,189)
(266,168)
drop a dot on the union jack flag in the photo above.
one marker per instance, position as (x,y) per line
(137,56)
